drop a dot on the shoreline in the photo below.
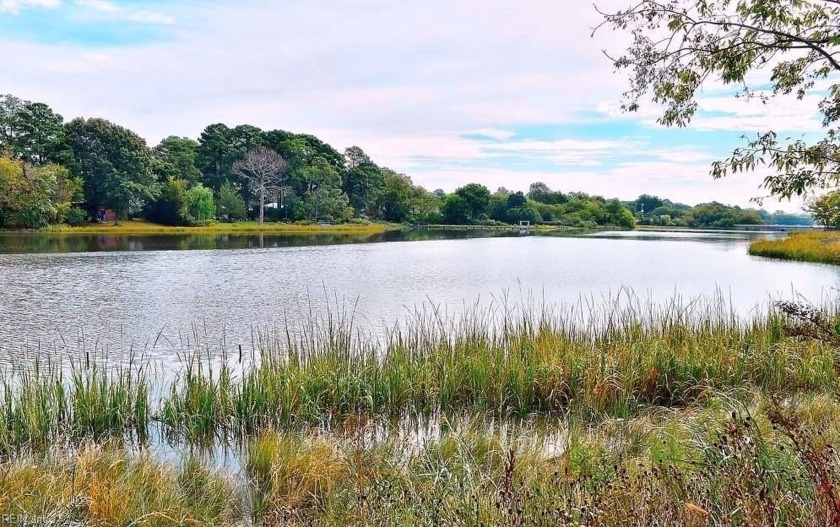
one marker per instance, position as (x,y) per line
(813,246)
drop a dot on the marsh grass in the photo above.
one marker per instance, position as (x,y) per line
(812,246)
(726,464)
(750,460)
(44,404)
(590,362)
(103,485)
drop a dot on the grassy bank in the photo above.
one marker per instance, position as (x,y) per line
(135,227)
(811,246)
(604,362)
(620,414)
(723,463)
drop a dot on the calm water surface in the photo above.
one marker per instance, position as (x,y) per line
(121,292)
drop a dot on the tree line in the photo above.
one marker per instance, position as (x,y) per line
(52,171)
(653,210)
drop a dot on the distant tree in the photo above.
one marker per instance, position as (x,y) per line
(201,207)
(177,156)
(31,131)
(10,106)
(219,147)
(263,171)
(396,201)
(517,199)
(717,215)
(477,199)
(231,203)
(324,199)
(171,205)
(826,209)
(456,210)
(539,191)
(33,197)
(765,49)
(356,157)
(425,206)
(647,204)
(114,163)
(363,180)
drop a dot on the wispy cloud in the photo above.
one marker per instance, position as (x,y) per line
(519,93)
(111,9)
(15,6)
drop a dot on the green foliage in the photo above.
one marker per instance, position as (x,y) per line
(364,182)
(219,147)
(324,199)
(200,205)
(180,204)
(171,206)
(540,192)
(75,215)
(680,46)
(456,210)
(114,163)
(31,132)
(826,209)
(34,197)
(719,216)
(176,158)
(577,209)
(231,204)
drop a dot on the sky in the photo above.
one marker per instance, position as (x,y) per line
(499,92)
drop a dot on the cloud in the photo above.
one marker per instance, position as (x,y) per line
(441,90)
(15,6)
(111,9)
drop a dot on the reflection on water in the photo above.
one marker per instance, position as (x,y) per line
(15,243)
(116,293)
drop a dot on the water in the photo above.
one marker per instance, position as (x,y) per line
(114,294)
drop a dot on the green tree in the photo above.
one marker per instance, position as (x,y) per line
(792,46)
(363,180)
(177,158)
(31,131)
(324,199)
(10,106)
(456,210)
(826,209)
(477,199)
(396,201)
(171,205)
(540,192)
(114,163)
(201,207)
(231,203)
(34,196)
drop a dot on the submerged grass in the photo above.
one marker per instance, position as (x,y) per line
(44,405)
(725,462)
(619,413)
(591,364)
(812,246)
(588,362)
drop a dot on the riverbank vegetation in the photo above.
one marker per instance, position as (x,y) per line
(94,171)
(628,414)
(812,246)
(655,211)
